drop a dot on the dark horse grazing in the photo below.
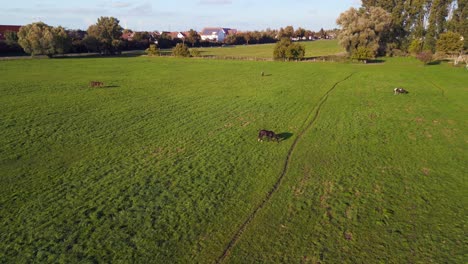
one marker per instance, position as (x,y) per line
(96,84)
(269,134)
(399,91)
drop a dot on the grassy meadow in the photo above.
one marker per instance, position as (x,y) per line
(162,165)
(265,51)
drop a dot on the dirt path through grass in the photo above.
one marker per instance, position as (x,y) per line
(438,87)
(312,117)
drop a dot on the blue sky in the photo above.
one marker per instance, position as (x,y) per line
(178,15)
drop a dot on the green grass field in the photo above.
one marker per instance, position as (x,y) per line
(163,165)
(265,51)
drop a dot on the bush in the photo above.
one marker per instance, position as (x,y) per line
(181,50)
(425,56)
(450,43)
(152,50)
(286,50)
(439,56)
(393,51)
(362,54)
(415,47)
(195,53)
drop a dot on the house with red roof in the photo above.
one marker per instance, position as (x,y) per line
(177,35)
(5,28)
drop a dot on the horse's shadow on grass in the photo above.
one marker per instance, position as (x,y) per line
(285,135)
(103,87)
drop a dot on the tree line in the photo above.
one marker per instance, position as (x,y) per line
(105,37)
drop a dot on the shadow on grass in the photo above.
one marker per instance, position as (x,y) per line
(130,54)
(285,135)
(103,87)
(437,62)
(375,61)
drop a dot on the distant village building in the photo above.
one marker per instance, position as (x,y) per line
(178,35)
(5,28)
(128,36)
(216,33)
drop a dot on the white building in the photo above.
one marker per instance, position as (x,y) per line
(216,33)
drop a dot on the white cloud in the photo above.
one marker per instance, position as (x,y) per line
(215,2)
(121,4)
(144,9)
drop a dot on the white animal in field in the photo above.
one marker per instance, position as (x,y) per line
(399,91)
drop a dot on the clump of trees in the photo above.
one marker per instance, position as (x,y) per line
(42,39)
(252,37)
(104,36)
(273,35)
(285,49)
(399,26)
(138,40)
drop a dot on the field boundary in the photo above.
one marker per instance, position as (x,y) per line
(312,117)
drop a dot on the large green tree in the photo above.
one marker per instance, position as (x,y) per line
(363,27)
(193,37)
(42,39)
(107,32)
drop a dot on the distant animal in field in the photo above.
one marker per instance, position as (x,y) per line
(270,135)
(399,91)
(96,84)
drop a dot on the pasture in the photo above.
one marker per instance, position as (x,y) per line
(265,51)
(162,163)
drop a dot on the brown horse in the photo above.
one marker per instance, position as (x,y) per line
(96,84)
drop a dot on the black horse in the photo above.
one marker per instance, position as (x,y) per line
(269,134)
